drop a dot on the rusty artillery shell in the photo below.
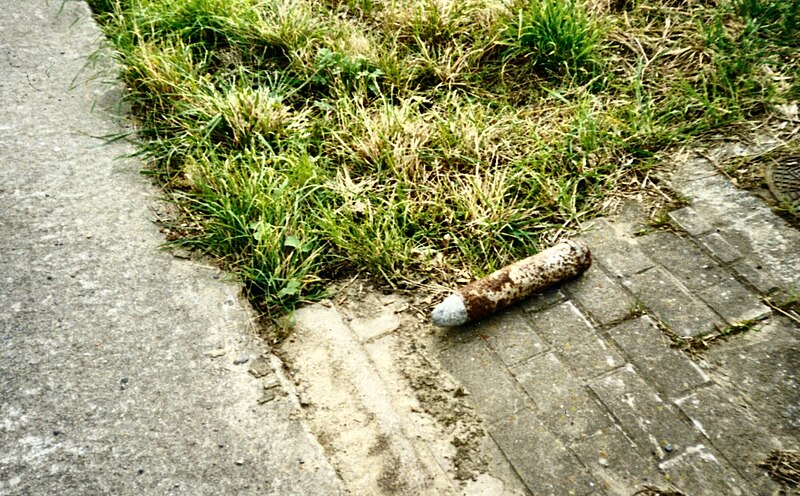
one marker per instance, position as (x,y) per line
(513,283)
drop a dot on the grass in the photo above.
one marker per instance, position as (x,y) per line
(695,346)
(424,142)
(560,37)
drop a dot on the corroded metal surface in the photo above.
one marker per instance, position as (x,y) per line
(524,278)
(784,180)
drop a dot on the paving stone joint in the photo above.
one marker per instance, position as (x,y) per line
(589,369)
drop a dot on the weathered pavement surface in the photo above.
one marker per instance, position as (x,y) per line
(578,391)
(121,368)
(581,390)
(117,371)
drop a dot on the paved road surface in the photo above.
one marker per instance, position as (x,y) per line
(116,360)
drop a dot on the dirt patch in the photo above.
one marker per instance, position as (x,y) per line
(390,420)
(443,399)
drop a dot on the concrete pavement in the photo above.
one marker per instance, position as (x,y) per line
(117,371)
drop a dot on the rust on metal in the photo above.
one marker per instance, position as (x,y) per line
(515,282)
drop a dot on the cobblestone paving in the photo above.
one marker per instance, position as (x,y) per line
(581,389)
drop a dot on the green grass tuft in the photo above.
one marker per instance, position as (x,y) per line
(555,36)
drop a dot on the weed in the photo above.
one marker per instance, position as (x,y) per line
(555,36)
(697,345)
(636,309)
(424,142)
(657,491)
(788,305)
(660,220)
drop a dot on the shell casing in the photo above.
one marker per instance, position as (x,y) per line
(519,280)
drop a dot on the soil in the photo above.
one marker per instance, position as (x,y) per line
(389,418)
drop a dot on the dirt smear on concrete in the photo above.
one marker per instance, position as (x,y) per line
(443,399)
(391,421)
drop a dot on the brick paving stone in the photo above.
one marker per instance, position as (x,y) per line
(721,249)
(683,259)
(746,222)
(754,273)
(453,336)
(493,391)
(540,459)
(512,337)
(561,401)
(690,221)
(621,257)
(615,463)
(700,471)
(735,303)
(669,370)
(674,305)
(542,300)
(499,467)
(563,326)
(592,358)
(764,368)
(602,298)
(771,258)
(730,427)
(652,424)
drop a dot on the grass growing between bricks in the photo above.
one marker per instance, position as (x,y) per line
(696,346)
(427,141)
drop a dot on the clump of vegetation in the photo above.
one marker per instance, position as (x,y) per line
(558,36)
(424,141)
